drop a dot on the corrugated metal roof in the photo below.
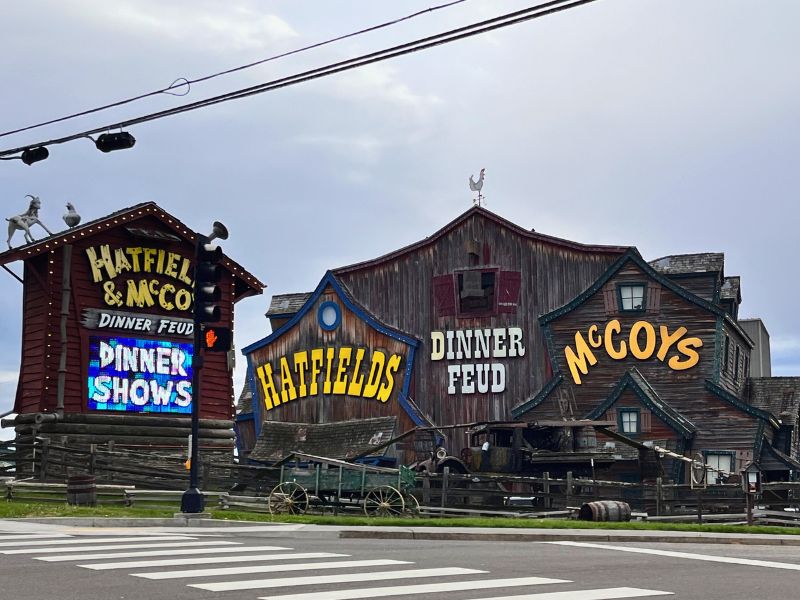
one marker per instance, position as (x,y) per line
(342,440)
(678,264)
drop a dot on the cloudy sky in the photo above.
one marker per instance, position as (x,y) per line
(671,125)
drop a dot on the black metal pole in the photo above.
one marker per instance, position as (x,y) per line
(192,500)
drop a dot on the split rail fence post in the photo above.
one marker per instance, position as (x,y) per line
(426,490)
(569,490)
(659,492)
(92,458)
(43,463)
(445,478)
(548,499)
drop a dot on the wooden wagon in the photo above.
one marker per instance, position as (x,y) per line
(307,481)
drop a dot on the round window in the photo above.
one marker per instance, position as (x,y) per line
(329,316)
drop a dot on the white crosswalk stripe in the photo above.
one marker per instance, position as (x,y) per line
(57,542)
(425,588)
(339,564)
(32,536)
(233,559)
(174,552)
(120,547)
(208,560)
(598,594)
(226,586)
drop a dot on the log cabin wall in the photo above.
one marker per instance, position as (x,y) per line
(137,263)
(417,290)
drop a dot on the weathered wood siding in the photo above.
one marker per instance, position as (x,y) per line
(400,291)
(719,424)
(42,323)
(306,335)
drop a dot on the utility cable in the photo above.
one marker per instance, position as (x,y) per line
(182,82)
(533,12)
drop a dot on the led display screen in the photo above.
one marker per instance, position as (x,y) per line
(133,375)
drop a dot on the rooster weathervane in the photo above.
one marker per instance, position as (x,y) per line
(477,186)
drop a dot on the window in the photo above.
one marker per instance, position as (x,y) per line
(746,372)
(629,420)
(631,297)
(476,292)
(721,461)
(736,366)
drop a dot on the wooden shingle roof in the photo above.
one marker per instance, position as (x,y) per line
(342,440)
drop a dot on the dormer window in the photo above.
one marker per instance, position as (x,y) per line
(476,292)
(631,297)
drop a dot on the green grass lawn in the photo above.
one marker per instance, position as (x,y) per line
(13,509)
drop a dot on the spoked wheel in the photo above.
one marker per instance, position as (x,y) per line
(412,505)
(288,498)
(384,501)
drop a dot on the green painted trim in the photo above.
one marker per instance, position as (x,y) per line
(736,403)
(717,350)
(630,311)
(632,254)
(678,465)
(758,443)
(627,381)
(532,403)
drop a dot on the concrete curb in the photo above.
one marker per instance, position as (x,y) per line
(600,536)
(116,522)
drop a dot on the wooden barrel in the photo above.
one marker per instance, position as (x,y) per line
(585,439)
(82,490)
(605,510)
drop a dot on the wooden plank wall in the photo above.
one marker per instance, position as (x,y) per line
(42,314)
(400,292)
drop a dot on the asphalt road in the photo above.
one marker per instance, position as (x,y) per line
(309,564)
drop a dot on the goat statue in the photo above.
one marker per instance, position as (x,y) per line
(24,221)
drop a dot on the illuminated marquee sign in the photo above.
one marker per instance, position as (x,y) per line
(142,291)
(642,342)
(345,371)
(134,375)
(471,344)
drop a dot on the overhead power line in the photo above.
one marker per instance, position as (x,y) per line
(514,18)
(182,82)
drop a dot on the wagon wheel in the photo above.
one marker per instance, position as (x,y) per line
(384,501)
(412,504)
(288,498)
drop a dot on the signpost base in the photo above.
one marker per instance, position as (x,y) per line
(192,501)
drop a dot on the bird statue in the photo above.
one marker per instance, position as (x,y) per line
(477,186)
(71,217)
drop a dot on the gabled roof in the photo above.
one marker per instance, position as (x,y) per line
(287,304)
(127,216)
(362,313)
(632,255)
(685,264)
(342,440)
(780,396)
(330,280)
(725,395)
(490,216)
(778,455)
(635,381)
(534,401)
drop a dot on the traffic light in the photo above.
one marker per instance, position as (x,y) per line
(207,274)
(216,339)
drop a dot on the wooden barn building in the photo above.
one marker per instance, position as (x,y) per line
(486,321)
(107,345)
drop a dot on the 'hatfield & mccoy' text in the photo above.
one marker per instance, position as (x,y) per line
(142,292)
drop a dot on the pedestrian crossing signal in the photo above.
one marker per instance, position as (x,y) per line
(217,339)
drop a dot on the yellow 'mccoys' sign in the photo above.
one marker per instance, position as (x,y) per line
(618,346)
